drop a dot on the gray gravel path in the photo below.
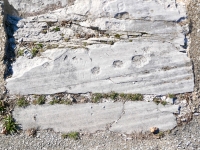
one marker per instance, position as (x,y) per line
(183,137)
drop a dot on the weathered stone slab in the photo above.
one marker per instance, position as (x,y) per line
(144,50)
(151,9)
(125,118)
(131,67)
(88,117)
(141,116)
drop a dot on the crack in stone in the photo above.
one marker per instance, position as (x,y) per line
(120,116)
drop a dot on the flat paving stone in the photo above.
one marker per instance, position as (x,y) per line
(118,117)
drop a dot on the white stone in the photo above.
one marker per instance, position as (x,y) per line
(62,118)
(129,118)
(151,62)
(170,100)
(123,67)
(141,116)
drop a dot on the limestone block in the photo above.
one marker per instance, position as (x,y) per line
(140,66)
(128,118)
(87,117)
(144,51)
(141,116)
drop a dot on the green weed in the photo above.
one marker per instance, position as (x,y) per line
(56,101)
(117,36)
(34,51)
(39,101)
(56,29)
(171,95)
(85,43)
(20,53)
(163,103)
(113,95)
(73,135)
(22,102)
(96,97)
(134,97)
(9,125)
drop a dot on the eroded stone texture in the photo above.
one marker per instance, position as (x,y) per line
(103,46)
(128,118)
(150,115)
(2,51)
(87,117)
(147,68)
(35,7)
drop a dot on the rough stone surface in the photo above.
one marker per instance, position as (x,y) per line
(103,68)
(27,7)
(124,118)
(3,42)
(182,137)
(104,46)
(88,117)
(141,116)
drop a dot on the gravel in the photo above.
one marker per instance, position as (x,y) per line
(182,137)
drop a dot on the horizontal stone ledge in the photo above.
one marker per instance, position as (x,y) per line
(127,118)
(132,67)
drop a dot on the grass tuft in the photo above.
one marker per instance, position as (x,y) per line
(22,102)
(39,101)
(71,135)
(56,101)
(164,103)
(117,36)
(171,95)
(56,29)
(96,97)
(113,95)
(20,53)
(34,51)
(9,125)
(85,43)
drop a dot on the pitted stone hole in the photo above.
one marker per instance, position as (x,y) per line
(122,15)
(137,58)
(117,64)
(95,70)
(139,61)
